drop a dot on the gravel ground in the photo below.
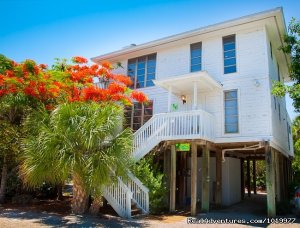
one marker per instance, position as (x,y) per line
(253,208)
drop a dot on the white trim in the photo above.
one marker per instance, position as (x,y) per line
(276,12)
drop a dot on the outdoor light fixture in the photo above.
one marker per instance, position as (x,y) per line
(256,83)
(183,98)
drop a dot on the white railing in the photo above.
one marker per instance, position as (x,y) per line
(119,197)
(196,124)
(140,193)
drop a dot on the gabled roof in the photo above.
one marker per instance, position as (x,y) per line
(277,13)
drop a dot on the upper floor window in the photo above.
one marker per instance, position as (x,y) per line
(231,112)
(278,72)
(138,114)
(229,54)
(271,50)
(142,71)
(196,56)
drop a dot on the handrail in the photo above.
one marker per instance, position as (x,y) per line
(175,125)
(119,197)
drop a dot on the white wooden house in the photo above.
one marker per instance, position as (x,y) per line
(210,88)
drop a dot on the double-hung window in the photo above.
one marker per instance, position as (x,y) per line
(141,70)
(231,111)
(229,54)
(196,57)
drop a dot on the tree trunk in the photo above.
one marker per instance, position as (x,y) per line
(96,204)
(59,189)
(3,181)
(80,196)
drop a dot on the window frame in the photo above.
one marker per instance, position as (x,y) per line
(235,54)
(237,109)
(136,61)
(192,47)
(141,116)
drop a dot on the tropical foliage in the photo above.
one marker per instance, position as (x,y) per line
(71,127)
(291,47)
(148,171)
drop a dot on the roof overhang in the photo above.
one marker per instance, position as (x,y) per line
(153,46)
(184,84)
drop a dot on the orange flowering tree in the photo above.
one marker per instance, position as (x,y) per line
(80,134)
(73,83)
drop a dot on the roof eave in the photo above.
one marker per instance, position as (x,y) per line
(199,31)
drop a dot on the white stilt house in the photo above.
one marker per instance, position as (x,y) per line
(210,92)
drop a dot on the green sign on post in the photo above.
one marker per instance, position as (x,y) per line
(182,146)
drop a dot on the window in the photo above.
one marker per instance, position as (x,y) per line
(138,114)
(229,54)
(279,112)
(141,70)
(288,134)
(231,112)
(196,56)
(271,50)
(278,73)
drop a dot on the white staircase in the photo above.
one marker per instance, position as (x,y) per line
(196,124)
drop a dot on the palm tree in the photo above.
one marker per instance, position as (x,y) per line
(13,108)
(84,141)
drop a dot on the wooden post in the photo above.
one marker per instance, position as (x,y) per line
(248,178)
(167,159)
(205,179)
(181,183)
(277,176)
(173,179)
(242,179)
(218,178)
(194,180)
(254,175)
(270,181)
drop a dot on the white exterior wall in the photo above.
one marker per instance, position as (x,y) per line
(279,121)
(256,115)
(212,176)
(231,181)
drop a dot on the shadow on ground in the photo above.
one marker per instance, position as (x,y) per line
(54,220)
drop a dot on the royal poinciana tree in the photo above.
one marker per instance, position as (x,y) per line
(73,127)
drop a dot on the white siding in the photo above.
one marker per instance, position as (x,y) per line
(254,67)
(279,121)
(231,181)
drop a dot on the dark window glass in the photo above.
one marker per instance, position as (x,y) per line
(138,114)
(278,73)
(231,111)
(271,50)
(196,56)
(142,71)
(229,51)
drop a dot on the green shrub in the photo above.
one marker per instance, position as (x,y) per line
(151,176)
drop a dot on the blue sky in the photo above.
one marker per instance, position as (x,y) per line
(42,30)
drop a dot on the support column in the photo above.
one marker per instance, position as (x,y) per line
(195,96)
(218,178)
(181,180)
(248,178)
(270,181)
(277,176)
(169,98)
(254,175)
(194,180)
(205,178)
(242,179)
(167,159)
(173,179)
